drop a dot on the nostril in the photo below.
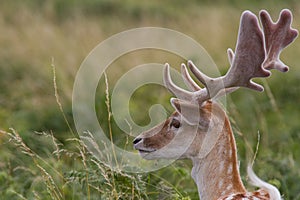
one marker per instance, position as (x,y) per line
(137,140)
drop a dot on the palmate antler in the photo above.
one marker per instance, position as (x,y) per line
(277,36)
(256,53)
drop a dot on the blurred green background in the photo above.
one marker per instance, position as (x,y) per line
(34,34)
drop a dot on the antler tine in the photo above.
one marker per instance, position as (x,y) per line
(204,79)
(177,91)
(277,36)
(230,55)
(212,85)
(188,79)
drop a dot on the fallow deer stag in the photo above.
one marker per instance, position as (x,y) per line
(199,128)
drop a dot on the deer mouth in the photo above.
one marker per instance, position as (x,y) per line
(145,150)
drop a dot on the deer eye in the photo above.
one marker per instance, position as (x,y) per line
(175,123)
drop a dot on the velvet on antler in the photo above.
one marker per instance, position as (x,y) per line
(256,53)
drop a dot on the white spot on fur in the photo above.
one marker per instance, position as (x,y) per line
(229,187)
(223,193)
(229,170)
(230,153)
(222,165)
(220,184)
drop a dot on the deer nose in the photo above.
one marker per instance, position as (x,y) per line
(137,140)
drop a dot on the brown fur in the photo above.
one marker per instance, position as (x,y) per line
(215,173)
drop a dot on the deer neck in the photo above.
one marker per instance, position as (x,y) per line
(217,174)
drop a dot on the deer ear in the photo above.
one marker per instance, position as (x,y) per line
(190,112)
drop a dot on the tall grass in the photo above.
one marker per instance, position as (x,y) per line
(80,174)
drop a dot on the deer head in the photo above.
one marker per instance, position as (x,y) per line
(256,53)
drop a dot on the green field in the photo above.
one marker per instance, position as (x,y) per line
(41,156)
